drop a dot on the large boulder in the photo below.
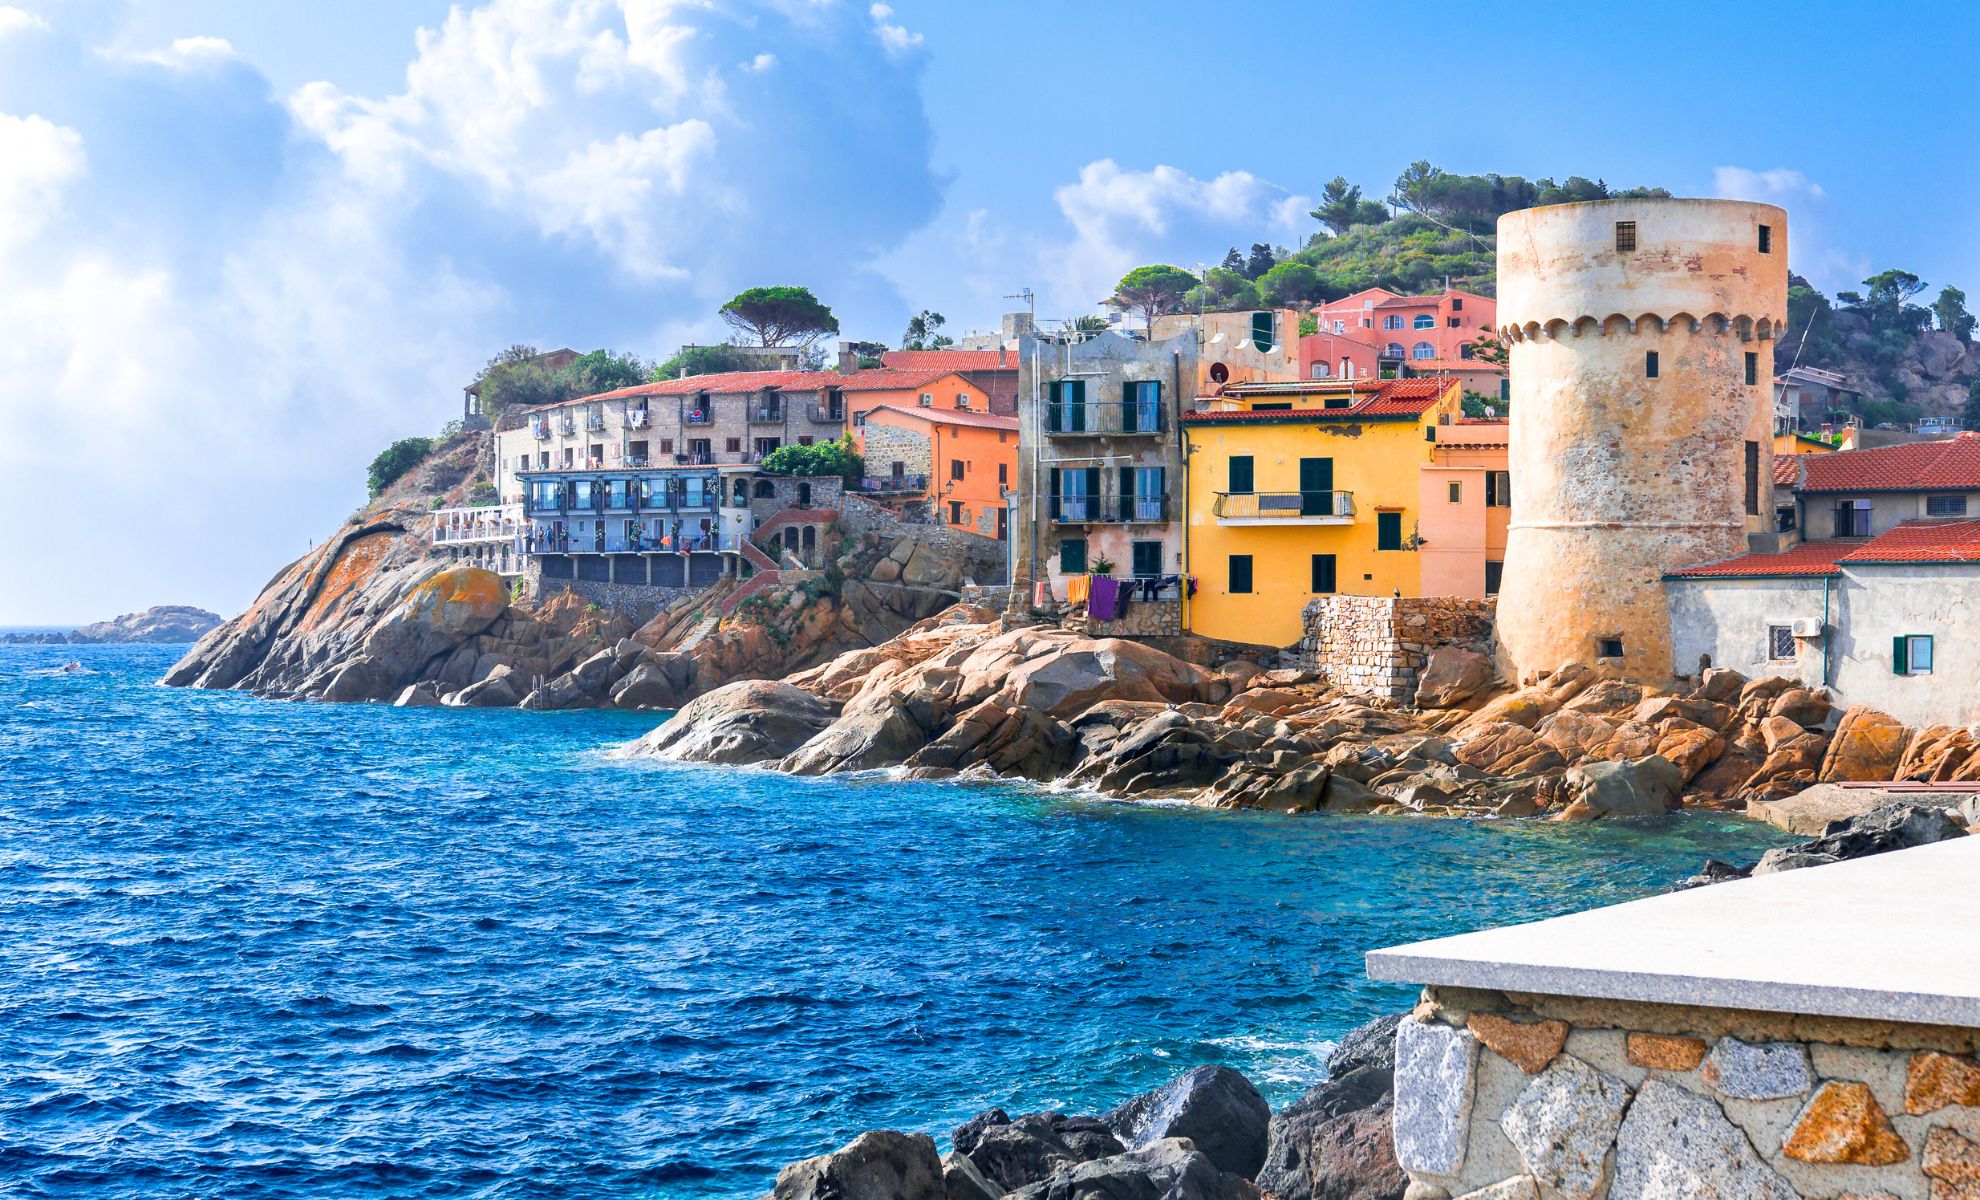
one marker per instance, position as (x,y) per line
(1013,1153)
(1812,811)
(1451,675)
(1895,827)
(1215,1107)
(1867,747)
(748,721)
(1074,676)
(878,1165)
(1170,1169)
(496,691)
(1369,1045)
(1644,787)
(1336,1142)
(437,615)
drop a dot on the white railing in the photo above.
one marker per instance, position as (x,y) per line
(478,523)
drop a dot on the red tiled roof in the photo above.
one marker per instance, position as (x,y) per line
(951,360)
(1921,542)
(1787,469)
(1951,465)
(1802,559)
(947,416)
(1389,398)
(731,382)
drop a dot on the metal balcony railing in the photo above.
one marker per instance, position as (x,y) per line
(1075,510)
(822,414)
(566,424)
(896,484)
(616,542)
(594,422)
(1316,507)
(697,416)
(539,427)
(1065,418)
(638,418)
(766,414)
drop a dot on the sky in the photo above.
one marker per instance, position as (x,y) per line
(245,245)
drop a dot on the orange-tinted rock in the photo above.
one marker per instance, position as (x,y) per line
(1937,753)
(1935,1080)
(1530,1047)
(1692,747)
(1843,1123)
(1664,1052)
(1952,1163)
(1579,810)
(1868,745)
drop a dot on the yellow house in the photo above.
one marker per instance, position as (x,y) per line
(1295,490)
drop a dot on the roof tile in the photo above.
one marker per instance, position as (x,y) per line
(1953,464)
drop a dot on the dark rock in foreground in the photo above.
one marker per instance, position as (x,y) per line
(1336,1142)
(1216,1108)
(880,1165)
(1894,827)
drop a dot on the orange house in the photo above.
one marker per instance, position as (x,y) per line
(1465,503)
(959,462)
(937,388)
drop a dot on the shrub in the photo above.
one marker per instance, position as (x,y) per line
(395,460)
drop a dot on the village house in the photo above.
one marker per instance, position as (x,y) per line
(957,464)
(1328,355)
(1237,347)
(993,372)
(1297,490)
(1465,504)
(1422,335)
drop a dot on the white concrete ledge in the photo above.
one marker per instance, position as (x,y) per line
(1893,937)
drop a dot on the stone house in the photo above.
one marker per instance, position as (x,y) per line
(1862,493)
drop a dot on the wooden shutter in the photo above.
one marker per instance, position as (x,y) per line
(1323,574)
(1092,493)
(1054,493)
(1240,473)
(1900,655)
(1055,395)
(1240,574)
(1125,495)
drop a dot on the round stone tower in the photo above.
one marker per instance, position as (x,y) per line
(1640,335)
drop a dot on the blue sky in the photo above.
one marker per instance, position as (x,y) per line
(244,245)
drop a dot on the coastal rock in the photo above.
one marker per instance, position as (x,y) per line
(1170,1169)
(1867,746)
(1304,788)
(879,1165)
(962,1181)
(1758,1070)
(748,721)
(1369,1045)
(1720,685)
(1436,1068)
(1893,827)
(1336,1142)
(1677,1143)
(1843,1123)
(1938,753)
(1643,787)
(1520,1187)
(1016,1153)
(1812,810)
(1451,675)
(162,624)
(496,691)
(661,682)
(1562,1124)
(1215,1107)
(1506,748)
(1020,742)
(1803,707)
(418,695)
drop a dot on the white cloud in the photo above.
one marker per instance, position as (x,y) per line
(38,159)
(1776,186)
(186,54)
(895,38)
(1812,251)
(17,20)
(759,64)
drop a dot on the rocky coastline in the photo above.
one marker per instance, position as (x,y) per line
(163,624)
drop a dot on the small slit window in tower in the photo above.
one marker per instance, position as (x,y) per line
(1625,236)
(1752,368)
(1649,364)
(1608,647)
(1766,239)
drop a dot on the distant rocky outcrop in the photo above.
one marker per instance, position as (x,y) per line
(164,624)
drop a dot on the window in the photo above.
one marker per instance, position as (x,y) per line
(1424,321)
(1264,331)
(955,512)
(1322,370)
(1495,574)
(733,446)
(570,458)
(1072,556)
(1340,327)
(1323,574)
(1147,560)
(765,447)
(1003,472)
(804,439)
(1467,350)
(1780,643)
(1388,531)
(955,468)
(1422,350)
(1457,304)
(1911,654)
(1240,473)
(1457,492)
(1945,506)
(1752,368)
(1240,574)
(1393,350)
(1454,323)
(1337,402)
(1649,364)
(666,445)
(1625,236)
(1392,321)
(1766,239)
(543,460)
(1608,647)
(1852,518)
(1753,479)
(1498,489)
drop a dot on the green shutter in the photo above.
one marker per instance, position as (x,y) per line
(1323,574)
(1240,473)
(1388,531)
(1054,493)
(1240,574)
(1072,556)
(1093,493)
(1900,656)
(1055,398)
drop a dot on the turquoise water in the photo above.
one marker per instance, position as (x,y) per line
(253,949)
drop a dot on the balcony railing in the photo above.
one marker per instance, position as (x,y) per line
(671,500)
(822,414)
(766,414)
(539,427)
(548,541)
(1065,419)
(594,422)
(1284,508)
(1076,510)
(893,484)
(697,416)
(638,418)
(566,424)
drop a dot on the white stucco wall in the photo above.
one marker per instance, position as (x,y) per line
(1727,620)
(1887,509)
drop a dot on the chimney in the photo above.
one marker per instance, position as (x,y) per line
(848,358)
(1001,351)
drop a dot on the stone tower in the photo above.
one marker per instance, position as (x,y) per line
(1640,335)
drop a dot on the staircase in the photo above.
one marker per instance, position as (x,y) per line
(762,581)
(699,634)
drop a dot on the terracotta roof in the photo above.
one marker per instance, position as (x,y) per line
(1389,398)
(951,360)
(1950,465)
(1787,469)
(1921,542)
(1410,301)
(733,382)
(1813,559)
(947,416)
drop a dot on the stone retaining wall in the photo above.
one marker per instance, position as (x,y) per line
(1375,645)
(987,558)
(1517,1097)
(637,602)
(1144,618)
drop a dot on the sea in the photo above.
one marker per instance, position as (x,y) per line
(262,949)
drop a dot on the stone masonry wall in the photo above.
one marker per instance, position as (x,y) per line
(1519,1097)
(1375,645)
(886,446)
(638,602)
(1143,618)
(986,557)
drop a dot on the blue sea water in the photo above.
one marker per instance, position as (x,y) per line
(253,949)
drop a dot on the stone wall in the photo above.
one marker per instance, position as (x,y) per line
(987,558)
(637,602)
(1517,1097)
(1143,618)
(1375,645)
(886,445)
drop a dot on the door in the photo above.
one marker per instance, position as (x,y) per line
(1316,487)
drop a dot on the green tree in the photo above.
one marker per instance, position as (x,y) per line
(821,458)
(1342,207)
(1223,290)
(395,460)
(921,332)
(1308,324)
(1288,284)
(1154,290)
(602,370)
(1950,308)
(1233,261)
(780,316)
(868,352)
(521,384)
(1261,260)
(1811,327)
(701,360)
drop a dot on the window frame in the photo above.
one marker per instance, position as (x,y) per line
(1067,546)
(1951,504)
(1388,530)
(1422,352)
(1625,237)
(1778,636)
(1232,573)
(1651,364)
(1331,575)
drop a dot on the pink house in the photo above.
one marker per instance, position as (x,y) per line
(1465,505)
(1328,355)
(1433,334)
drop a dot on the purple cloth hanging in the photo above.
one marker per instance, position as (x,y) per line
(1103,603)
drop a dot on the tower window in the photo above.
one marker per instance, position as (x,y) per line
(1752,368)
(1625,236)
(1753,479)
(1649,364)
(1608,647)
(1766,239)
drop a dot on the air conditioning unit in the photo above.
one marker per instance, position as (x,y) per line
(928,399)
(1807,627)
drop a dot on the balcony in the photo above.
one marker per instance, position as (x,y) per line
(483,523)
(594,422)
(550,541)
(1133,510)
(826,415)
(1075,510)
(695,458)
(697,416)
(766,414)
(1283,508)
(894,485)
(638,418)
(1103,418)
(539,427)
(566,424)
